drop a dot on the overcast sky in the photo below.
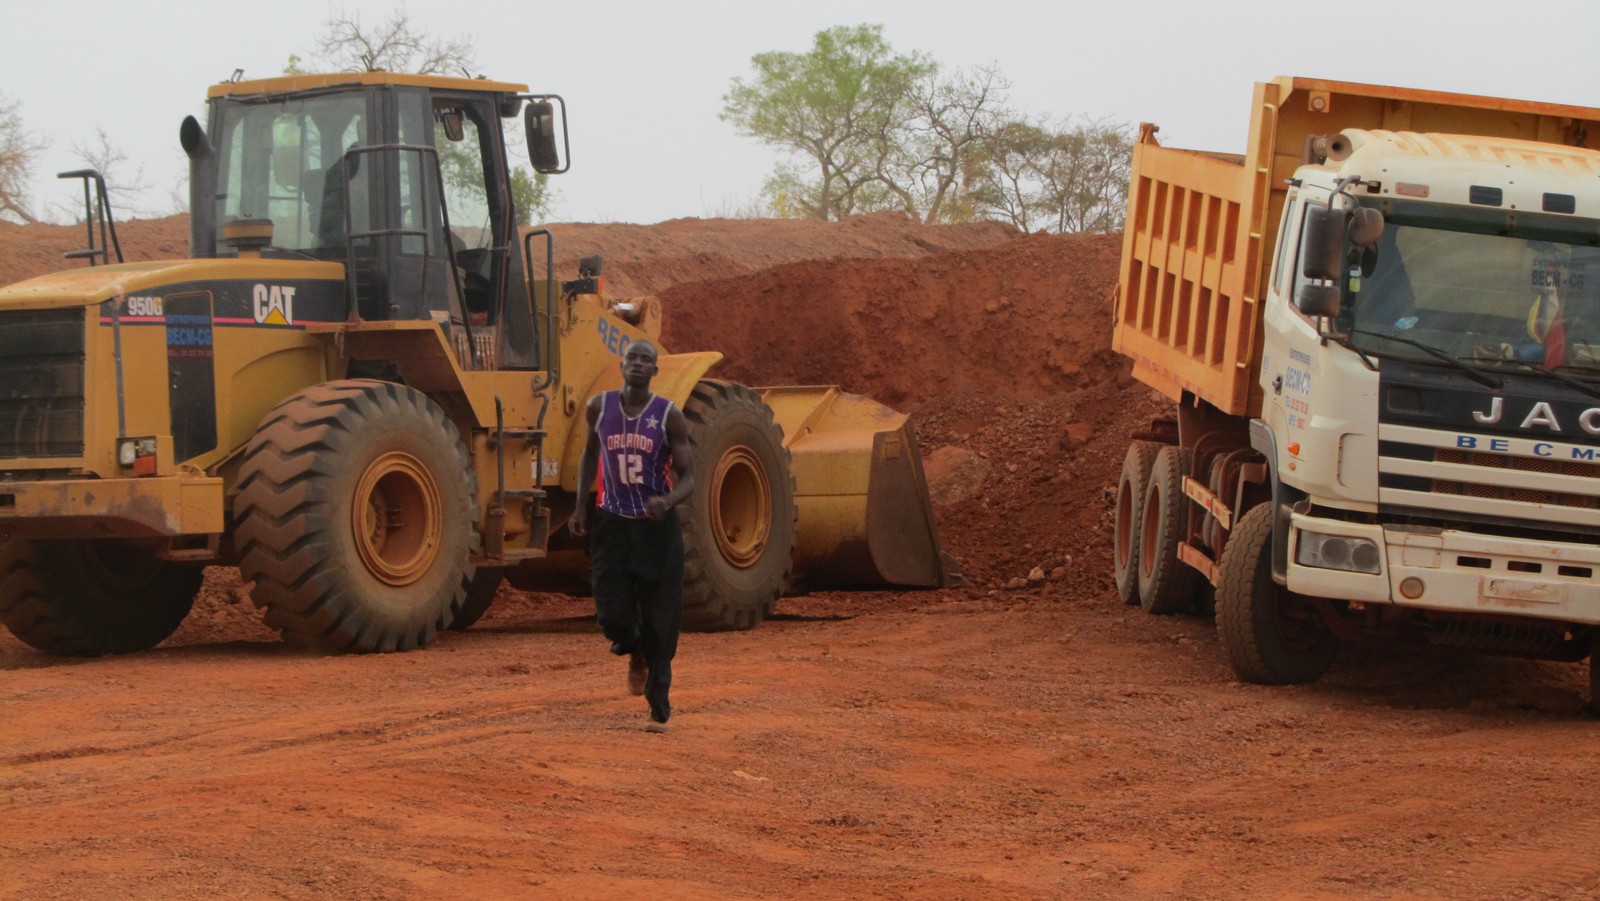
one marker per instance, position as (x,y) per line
(644,80)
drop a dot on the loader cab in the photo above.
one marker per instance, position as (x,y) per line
(401,178)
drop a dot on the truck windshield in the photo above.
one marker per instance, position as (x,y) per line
(1525,298)
(282,160)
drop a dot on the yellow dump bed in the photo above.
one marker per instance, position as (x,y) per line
(1202,227)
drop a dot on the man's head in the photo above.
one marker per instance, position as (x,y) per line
(639,363)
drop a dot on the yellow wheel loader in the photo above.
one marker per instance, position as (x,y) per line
(365,389)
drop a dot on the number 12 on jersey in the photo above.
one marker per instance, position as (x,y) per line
(630,469)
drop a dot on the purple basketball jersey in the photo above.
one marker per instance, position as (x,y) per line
(633,454)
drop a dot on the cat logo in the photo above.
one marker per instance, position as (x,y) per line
(274,305)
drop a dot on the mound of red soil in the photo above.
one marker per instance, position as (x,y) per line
(1001,353)
(30,250)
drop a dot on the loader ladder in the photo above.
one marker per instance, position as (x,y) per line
(539,515)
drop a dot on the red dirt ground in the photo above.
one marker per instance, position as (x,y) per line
(1023,737)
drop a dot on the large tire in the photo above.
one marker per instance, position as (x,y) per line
(92,597)
(354,517)
(1594,673)
(1166,584)
(739,526)
(1271,637)
(480,594)
(1136,466)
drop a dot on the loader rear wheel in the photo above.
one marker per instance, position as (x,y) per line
(739,526)
(92,597)
(1166,584)
(480,594)
(354,516)
(1272,636)
(1130,499)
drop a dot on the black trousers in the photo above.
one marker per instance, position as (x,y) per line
(638,593)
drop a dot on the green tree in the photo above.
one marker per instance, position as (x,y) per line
(533,196)
(18,151)
(835,108)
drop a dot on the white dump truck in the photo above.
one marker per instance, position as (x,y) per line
(1380,331)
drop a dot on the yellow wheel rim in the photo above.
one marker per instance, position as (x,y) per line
(397,517)
(741,506)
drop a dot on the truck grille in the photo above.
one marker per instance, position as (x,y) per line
(41,383)
(1457,483)
(1518,464)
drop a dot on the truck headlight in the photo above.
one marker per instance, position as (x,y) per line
(1356,555)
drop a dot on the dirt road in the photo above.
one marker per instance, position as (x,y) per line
(956,744)
(1024,737)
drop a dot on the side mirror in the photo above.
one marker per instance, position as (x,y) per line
(1317,300)
(1368,261)
(1322,243)
(1366,227)
(540,119)
(451,121)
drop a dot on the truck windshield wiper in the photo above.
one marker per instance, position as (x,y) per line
(1473,372)
(1591,390)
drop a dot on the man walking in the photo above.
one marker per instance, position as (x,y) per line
(636,543)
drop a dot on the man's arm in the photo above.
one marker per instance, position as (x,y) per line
(588,467)
(682,465)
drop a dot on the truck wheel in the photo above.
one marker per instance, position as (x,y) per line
(354,516)
(91,597)
(1272,638)
(1130,498)
(480,594)
(739,526)
(1594,673)
(1166,584)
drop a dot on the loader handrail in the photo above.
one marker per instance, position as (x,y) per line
(97,207)
(551,363)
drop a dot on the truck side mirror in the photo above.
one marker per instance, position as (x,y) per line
(540,120)
(1317,300)
(1366,227)
(1322,243)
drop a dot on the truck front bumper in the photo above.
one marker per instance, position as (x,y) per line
(1457,571)
(155,507)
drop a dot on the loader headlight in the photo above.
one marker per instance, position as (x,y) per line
(138,454)
(1356,555)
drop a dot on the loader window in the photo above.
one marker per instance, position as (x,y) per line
(466,193)
(283,161)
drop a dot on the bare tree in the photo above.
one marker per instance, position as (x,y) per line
(934,161)
(393,46)
(18,151)
(1007,183)
(123,188)
(1065,177)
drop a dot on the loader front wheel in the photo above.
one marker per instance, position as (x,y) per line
(480,594)
(354,517)
(93,596)
(739,526)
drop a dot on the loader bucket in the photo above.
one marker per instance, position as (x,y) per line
(864,513)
